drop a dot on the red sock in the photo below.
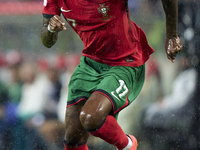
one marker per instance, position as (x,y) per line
(112,133)
(81,147)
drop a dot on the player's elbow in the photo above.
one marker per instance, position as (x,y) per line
(48,46)
(47,43)
(48,40)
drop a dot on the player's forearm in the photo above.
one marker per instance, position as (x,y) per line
(171,12)
(48,38)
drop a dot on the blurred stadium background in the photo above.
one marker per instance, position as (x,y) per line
(33,81)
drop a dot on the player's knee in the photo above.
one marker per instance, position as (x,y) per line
(70,139)
(74,140)
(75,137)
(86,120)
(91,121)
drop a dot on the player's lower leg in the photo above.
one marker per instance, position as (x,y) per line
(111,132)
(95,119)
(75,135)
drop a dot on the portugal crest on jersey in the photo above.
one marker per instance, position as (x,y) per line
(104,11)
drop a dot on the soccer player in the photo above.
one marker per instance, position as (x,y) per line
(112,68)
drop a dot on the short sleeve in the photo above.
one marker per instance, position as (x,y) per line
(50,8)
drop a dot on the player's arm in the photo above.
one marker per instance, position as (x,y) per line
(50,29)
(173,44)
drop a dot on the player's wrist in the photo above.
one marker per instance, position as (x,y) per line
(49,29)
(171,32)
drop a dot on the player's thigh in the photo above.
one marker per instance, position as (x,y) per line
(121,85)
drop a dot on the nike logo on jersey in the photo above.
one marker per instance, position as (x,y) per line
(115,96)
(63,10)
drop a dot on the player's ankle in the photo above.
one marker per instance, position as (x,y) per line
(129,145)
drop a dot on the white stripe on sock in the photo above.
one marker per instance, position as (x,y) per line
(130,143)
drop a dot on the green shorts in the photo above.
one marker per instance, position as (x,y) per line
(120,84)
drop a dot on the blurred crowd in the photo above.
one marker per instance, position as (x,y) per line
(171,122)
(33,96)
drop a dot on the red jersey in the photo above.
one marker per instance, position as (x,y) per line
(104,26)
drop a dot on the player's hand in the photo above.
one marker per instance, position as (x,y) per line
(172,47)
(56,23)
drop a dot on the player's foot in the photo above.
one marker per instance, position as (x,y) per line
(134,140)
